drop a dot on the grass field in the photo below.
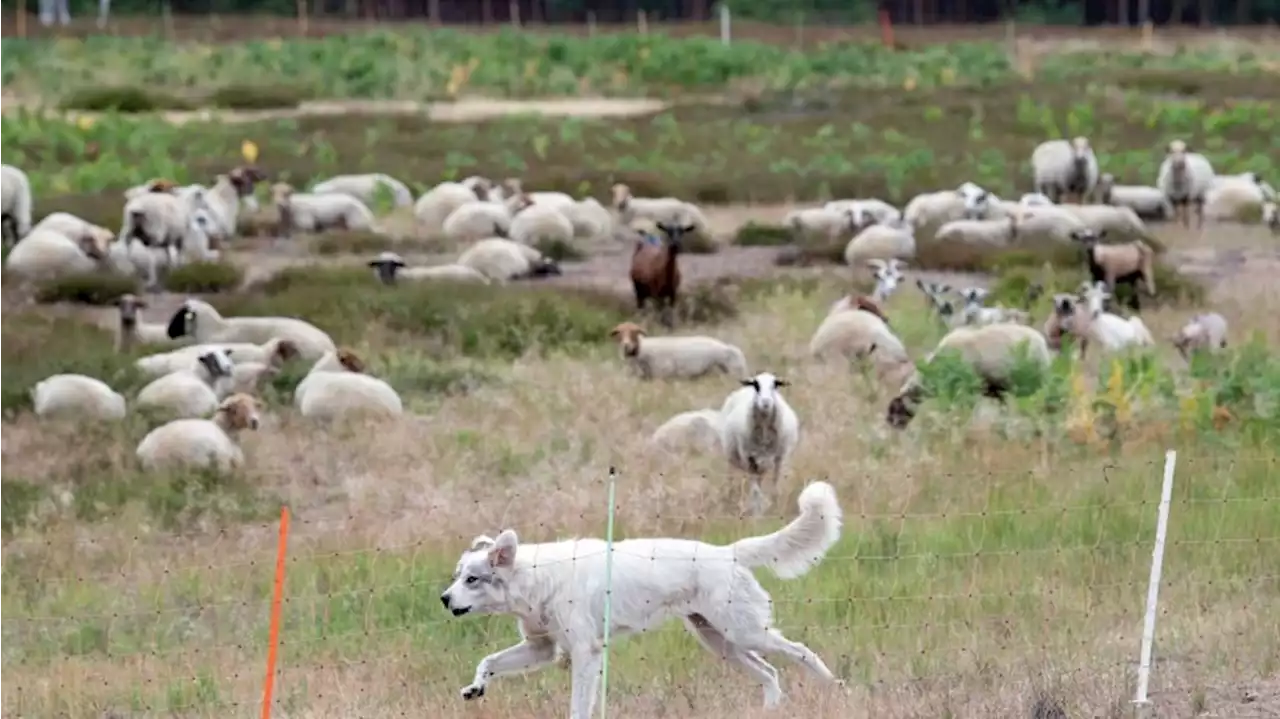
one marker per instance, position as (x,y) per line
(994,563)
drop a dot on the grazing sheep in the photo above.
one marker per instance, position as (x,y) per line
(1150,203)
(891,240)
(1062,168)
(996,233)
(1235,197)
(337,385)
(75,396)
(865,212)
(1206,331)
(46,254)
(477,220)
(687,357)
(391,268)
(512,187)
(829,224)
(540,223)
(1092,325)
(858,302)
(1111,219)
(191,392)
(1124,264)
(854,335)
(1271,216)
(1185,178)
(991,350)
(655,270)
(133,331)
(590,219)
(700,428)
(15,204)
(318,213)
(365,187)
(436,204)
(759,431)
(668,211)
(201,443)
(502,260)
(199,320)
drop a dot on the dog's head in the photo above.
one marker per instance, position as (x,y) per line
(481,579)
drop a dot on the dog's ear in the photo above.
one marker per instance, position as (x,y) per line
(484,541)
(503,553)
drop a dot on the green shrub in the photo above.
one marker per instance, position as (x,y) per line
(35,346)
(757,235)
(697,243)
(560,251)
(203,278)
(256,97)
(127,99)
(350,242)
(811,251)
(90,288)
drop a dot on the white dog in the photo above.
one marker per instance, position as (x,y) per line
(557,591)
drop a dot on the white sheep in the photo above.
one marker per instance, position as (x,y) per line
(502,260)
(934,209)
(317,213)
(252,369)
(856,334)
(338,386)
(391,268)
(590,219)
(1271,216)
(822,222)
(199,320)
(1061,167)
(683,357)
(889,240)
(700,428)
(224,199)
(1234,197)
(365,187)
(477,220)
(436,204)
(512,186)
(72,227)
(866,211)
(1091,324)
(993,351)
(132,330)
(1185,178)
(47,254)
(156,184)
(163,363)
(15,203)
(1048,223)
(191,392)
(75,396)
(1207,331)
(664,210)
(759,431)
(1148,202)
(201,443)
(1034,199)
(992,233)
(166,222)
(540,223)
(1109,219)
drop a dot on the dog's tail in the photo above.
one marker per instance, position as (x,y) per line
(797,547)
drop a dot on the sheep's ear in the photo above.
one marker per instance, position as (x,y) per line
(375,263)
(748,382)
(614,332)
(503,552)
(483,541)
(779,382)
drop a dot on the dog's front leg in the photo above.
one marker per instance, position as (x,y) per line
(529,654)
(585,663)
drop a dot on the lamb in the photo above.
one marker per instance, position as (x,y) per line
(502,260)
(1091,324)
(75,396)
(1271,216)
(162,221)
(46,254)
(436,204)
(201,443)
(198,319)
(337,385)
(863,212)
(759,431)
(995,233)
(249,375)
(477,220)
(318,213)
(932,291)
(655,270)
(192,392)
(540,223)
(1150,203)
(1185,178)
(887,276)
(828,224)
(15,204)
(975,313)
(133,331)
(1062,168)
(992,350)
(1234,197)
(391,268)
(1124,264)
(700,428)
(668,211)
(855,334)
(1113,220)
(686,357)
(894,239)
(1206,331)
(589,218)
(512,187)
(365,187)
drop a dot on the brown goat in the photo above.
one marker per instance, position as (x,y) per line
(655,271)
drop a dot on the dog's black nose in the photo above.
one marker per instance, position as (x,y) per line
(444,599)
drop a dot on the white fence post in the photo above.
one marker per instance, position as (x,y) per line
(725,31)
(1153,585)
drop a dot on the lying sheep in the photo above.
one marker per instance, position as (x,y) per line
(1061,168)
(686,357)
(46,255)
(931,210)
(75,396)
(200,443)
(133,331)
(590,219)
(1150,203)
(502,260)
(540,223)
(15,204)
(993,233)
(391,268)
(1206,331)
(1185,178)
(1052,223)
(318,213)
(1110,219)
(192,392)
(199,320)
(759,431)
(1119,264)
(700,428)
(828,224)
(866,212)
(482,187)
(365,188)
(856,334)
(882,241)
(992,351)
(1034,199)
(1235,197)
(512,187)
(666,210)
(477,220)
(337,386)
(73,227)
(436,204)
(163,363)
(252,370)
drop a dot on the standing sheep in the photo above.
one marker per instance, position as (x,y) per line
(1119,264)
(15,203)
(655,270)
(759,431)
(827,224)
(1185,178)
(663,210)
(1206,331)
(365,187)
(1150,203)
(503,260)
(1061,168)
(676,357)
(318,213)
(199,320)
(199,443)
(856,335)
(1089,322)
(162,221)
(75,396)
(224,199)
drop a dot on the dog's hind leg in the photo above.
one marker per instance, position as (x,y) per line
(748,662)
(585,663)
(765,641)
(527,655)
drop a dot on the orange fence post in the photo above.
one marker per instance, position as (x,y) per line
(275,614)
(886,29)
